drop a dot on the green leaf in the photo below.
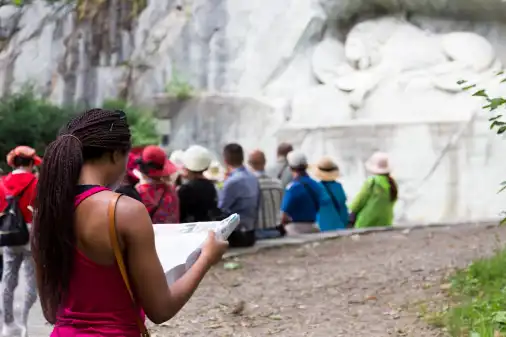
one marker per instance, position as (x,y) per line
(500,73)
(17,2)
(494,118)
(480,93)
(469,87)
(503,187)
(500,317)
(501,130)
(461,82)
(496,102)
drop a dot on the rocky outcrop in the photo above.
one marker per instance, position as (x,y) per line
(287,69)
(247,47)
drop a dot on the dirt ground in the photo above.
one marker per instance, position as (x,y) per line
(371,285)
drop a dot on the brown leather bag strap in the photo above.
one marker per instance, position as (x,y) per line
(119,259)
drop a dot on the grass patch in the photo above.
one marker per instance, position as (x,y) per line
(478,299)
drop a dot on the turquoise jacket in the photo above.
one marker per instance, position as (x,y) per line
(330,216)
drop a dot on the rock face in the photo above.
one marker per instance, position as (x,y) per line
(300,70)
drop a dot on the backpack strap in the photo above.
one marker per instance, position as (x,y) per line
(280,174)
(20,194)
(113,235)
(154,210)
(333,198)
(313,195)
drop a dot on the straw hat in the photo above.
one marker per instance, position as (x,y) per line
(25,152)
(196,158)
(215,172)
(378,163)
(325,169)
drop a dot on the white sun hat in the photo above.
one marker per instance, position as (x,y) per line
(196,158)
(176,157)
(378,163)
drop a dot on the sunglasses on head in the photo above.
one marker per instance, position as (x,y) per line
(121,115)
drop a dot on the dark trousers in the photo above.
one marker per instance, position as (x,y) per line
(271,233)
(242,239)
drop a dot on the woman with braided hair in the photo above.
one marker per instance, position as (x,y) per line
(79,251)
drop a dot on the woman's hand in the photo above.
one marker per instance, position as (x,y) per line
(213,249)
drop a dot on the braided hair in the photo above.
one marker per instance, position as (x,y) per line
(91,135)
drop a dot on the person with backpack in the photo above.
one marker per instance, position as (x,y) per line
(281,169)
(158,195)
(333,215)
(18,187)
(303,198)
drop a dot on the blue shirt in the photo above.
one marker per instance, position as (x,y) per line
(299,203)
(330,218)
(241,194)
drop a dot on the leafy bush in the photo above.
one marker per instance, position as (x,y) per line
(28,120)
(142,123)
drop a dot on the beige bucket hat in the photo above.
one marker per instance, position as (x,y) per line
(325,169)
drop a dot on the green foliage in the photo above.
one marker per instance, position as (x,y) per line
(178,87)
(493,105)
(142,123)
(479,294)
(28,120)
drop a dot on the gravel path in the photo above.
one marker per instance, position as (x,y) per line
(358,286)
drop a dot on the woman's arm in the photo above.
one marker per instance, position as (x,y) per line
(159,301)
(361,198)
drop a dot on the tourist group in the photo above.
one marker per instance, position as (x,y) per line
(90,210)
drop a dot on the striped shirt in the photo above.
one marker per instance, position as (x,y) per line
(269,213)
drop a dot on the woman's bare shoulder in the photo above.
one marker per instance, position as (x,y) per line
(132,216)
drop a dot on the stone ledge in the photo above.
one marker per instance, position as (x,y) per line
(308,238)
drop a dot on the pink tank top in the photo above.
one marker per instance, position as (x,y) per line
(97,302)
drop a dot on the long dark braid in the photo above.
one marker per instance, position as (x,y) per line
(394,191)
(88,136)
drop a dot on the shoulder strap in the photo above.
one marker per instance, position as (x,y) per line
(24,189)
(280,174)
(154,210)
(119,259)
(313,195)
(333,198)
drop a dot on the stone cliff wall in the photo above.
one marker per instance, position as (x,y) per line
(266,71)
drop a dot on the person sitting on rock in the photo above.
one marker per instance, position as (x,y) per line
(333,215)
(240,194)
(198,197)
(158,195)
(303,198)
(281,169)
(269,215)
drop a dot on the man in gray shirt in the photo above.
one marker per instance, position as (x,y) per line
(280,170)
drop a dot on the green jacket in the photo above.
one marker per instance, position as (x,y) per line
(372,206)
